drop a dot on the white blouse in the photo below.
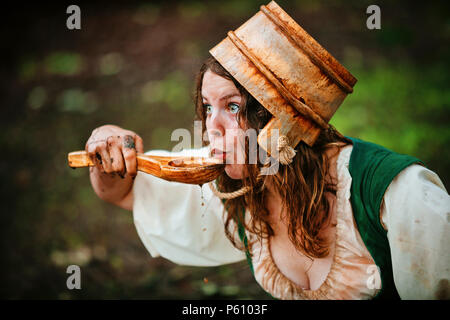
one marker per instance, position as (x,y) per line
(185,224)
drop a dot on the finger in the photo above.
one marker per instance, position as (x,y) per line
(139,144)
(102,150)
(115,152)
(94,156)
(129,155)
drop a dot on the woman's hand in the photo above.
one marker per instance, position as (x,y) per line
(113,150)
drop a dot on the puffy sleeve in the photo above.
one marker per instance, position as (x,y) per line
(180,222)
(416,214)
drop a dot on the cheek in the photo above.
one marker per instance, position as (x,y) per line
(235,171)
(232,123)
(233,132)
(240,144)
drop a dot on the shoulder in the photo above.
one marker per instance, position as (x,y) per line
(416,193)
(369,158)
(373,168)
(418,175)
(418,188)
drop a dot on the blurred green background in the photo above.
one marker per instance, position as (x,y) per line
(133,64)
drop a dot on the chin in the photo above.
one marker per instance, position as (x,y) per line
(235,171)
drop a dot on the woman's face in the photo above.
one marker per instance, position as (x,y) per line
(222,101)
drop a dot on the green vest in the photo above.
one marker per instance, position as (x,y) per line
(372,169)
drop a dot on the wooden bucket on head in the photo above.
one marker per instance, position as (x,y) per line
(288,72)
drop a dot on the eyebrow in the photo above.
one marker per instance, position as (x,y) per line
(228,96)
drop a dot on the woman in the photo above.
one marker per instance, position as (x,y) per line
(301,235)
(323,217)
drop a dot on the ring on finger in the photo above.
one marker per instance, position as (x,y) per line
(128,142)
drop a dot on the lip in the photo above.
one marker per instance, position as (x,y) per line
(219,154)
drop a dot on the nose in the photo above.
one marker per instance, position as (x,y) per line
(215,125)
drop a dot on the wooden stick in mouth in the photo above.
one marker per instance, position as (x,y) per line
(191,170)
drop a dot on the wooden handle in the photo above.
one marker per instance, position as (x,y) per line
(194,171)
(79,159)
(145,163)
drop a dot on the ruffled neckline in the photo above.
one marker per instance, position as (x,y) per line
(272,277)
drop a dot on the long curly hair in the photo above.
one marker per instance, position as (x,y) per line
(301,185)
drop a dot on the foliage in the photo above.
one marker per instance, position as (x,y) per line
(134,65)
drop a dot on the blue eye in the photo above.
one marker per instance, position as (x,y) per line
(208,108)
(234,107)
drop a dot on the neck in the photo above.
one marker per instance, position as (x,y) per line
(273,203)
(273,198)
(272,193)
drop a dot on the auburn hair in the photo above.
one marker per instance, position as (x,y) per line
(301,185)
